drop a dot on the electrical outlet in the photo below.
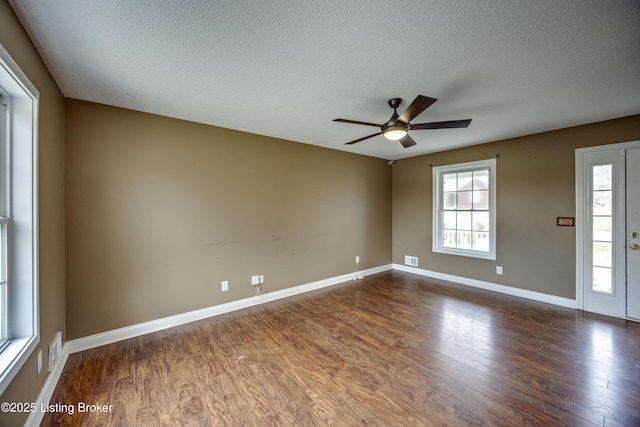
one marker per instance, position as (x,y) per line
(225,285)
(54,350)
(39,361)
(357,259)
(499,269)
(261,279)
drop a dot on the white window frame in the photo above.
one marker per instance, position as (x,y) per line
(4,220)
(438,239)
(20,191)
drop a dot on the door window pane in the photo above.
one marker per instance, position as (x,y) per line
(602,177)
(602,254)
(602,202)
(601,226)
(602,280)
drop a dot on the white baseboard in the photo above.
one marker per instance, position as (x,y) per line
(508,290)
(35,417)
(132,331)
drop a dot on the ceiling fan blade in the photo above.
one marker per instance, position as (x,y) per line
(418,105)
(442,125)
(407,141)
(363,138)
(355,122)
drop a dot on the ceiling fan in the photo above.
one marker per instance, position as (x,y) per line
(398,126)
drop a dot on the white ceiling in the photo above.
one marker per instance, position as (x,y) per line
(287,68)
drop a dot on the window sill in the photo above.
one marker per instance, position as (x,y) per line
(13,358)
(460,252)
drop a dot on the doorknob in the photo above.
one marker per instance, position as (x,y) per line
(634,234)
(634,246)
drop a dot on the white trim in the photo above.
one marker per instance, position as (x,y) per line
(22,268)
(494,287)
(35,418)
(581,215)
(132,331)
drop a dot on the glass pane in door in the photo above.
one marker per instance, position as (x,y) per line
(601,226)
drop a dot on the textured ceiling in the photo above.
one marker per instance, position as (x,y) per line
(287,68)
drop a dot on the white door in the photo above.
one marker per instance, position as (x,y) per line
(608,216)
(633,233)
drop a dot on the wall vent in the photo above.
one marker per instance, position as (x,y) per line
(411,260)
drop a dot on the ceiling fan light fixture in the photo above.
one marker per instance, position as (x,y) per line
(395,132)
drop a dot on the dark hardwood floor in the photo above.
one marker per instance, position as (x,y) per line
(393,349)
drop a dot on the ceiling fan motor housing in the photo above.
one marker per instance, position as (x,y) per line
(394,102)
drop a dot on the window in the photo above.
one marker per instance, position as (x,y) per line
(19,329)
(602,228)
(464,209)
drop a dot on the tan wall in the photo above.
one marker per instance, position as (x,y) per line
(160,211)
(535,184)
(27,384)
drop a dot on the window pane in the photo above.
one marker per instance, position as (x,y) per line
(449,200)
(3,228)
(464,181)
(602,228)
(481,199)
(464,239)
(465,200)
(480,221)
(602,203)
(450,182)
(449,220)
(602,280)
(481,180)
(449,238)
(481,242)
(602,177)
(463,220)
(602,254)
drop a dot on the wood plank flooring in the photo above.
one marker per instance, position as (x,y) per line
(393,349)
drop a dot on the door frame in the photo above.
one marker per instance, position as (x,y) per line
(582,220)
